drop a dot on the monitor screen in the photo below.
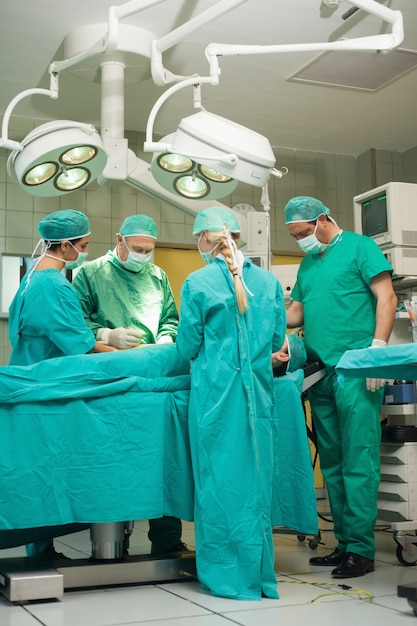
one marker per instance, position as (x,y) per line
(374,215)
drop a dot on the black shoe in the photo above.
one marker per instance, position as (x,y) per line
(178,547)
(334,558)
(352,566)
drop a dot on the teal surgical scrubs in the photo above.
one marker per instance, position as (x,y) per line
(339,315)
(45,320)
(231,428)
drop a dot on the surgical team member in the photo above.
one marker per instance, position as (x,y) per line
(232,319)
(127,301)
(344,298)
(45,317)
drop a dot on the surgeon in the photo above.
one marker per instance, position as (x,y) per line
(127,302)
(345,300)
(45,317)
(232,319)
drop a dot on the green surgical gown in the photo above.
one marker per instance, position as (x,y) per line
(339,315)
(45,320)
(112,296)
(230,422)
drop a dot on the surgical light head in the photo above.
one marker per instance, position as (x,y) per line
(138,225)
(63,225)
(304,209)
(215,219)
(57,157)
(208,155)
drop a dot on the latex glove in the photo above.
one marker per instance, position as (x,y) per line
(165,339)
(373,384)
(120,337)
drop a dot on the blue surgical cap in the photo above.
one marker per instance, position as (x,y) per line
(297,353)
(304,209)
(214,219)
(64,224)
(138,225)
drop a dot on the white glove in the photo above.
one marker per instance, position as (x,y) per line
(164,339)
(120,337)
(373,384)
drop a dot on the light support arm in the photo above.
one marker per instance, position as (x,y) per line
(383,42)
(150,145)
(5,142)
(266,204)
(160,75)
(108,43)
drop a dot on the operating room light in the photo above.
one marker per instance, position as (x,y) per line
(208,155)
(78,155)
(205,157)
(40,173)
(72,179)
(175,163)
(58,157)
(180,174)
(214,174)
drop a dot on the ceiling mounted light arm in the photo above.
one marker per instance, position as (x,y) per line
(193,81)
(5,142)
(107,44)
(382,42)
(162,76)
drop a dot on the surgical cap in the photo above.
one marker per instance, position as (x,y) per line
(138,225)
(215,218)
(297,352)
(304,209)
(64,224)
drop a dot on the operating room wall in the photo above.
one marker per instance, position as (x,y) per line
(334,178)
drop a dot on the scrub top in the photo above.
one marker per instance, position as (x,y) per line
(112,297)
(45,319)
(230,422)
(334,286)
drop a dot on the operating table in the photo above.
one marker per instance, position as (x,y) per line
(101,439)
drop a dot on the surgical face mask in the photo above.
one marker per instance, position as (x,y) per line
(135,260)
(207,256)
(82,256)
(71,265)
(311,245)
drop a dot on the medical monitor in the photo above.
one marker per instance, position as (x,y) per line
(388,214)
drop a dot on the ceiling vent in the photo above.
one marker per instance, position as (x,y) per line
(356,70)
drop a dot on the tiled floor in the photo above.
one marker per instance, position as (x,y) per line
(307,595)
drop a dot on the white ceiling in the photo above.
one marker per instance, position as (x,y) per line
(253,90)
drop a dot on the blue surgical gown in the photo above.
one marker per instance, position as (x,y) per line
(45,319)
(230,422)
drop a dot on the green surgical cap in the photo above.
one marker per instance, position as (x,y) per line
(304,209)
(138,225)
(215,218)
(297,352)
(62,225)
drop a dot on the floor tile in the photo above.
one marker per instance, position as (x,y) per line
(113,607)
(350,612)
(307,593)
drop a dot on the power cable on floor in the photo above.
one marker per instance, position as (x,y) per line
(342,589)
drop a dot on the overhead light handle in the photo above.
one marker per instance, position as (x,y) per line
(149,145)
(5,142)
